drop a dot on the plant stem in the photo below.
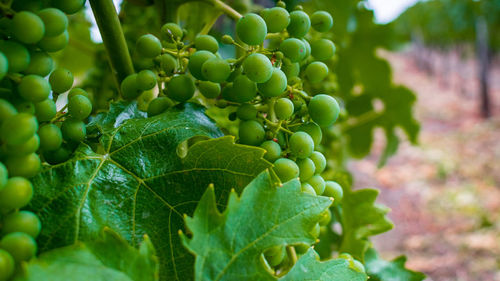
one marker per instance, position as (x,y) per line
(225,8)
(167,10)
(113,38)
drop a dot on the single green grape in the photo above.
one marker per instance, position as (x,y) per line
(275,86)
(18,128)
(324,110)
(333,189)
(171,32)
(286,169)
(299,24)
(61,80)
(251,29)
(69,6)
(291,69)
(325,217)
(283,108)
(6,110)
(24,106)
(129,87)
(54,43)
(7,265)
(16,193)
(27,147)
(275,255)
(146,80)
(302,248)
(216,70)
(314,130)
(27,27)
(45,110)
(319,161)
(77,91)
(227,94)
(247,111)
(57,156)
(316,72)
(293,49)
(321,21)
(167,63)
(258,68)
(23,166)
(41,64)
(306,167)
(276,19)
(196,62)
(20,245)
(73,130)
(206,42)
(148,46)
(4,66)
(55,21)
(34,88)
(273,150)
(22,221)
(318,183)
(244,89)
(322,49)
(50,137)
(159,105)
(4,175)
(251,132)
(208,89)
(301,144)
(17,55)
(181,88)
(227,39)
(307,188)
(79,107)
(307,48)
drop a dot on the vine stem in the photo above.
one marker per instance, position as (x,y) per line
(225,8)
(113,38)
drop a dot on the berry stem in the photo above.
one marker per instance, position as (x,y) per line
(225,8)
(113,38)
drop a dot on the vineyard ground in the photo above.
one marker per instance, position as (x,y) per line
(445,193)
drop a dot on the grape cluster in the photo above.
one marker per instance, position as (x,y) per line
(32,130)
(265,85)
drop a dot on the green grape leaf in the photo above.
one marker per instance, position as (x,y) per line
(361,218)
(144,178)
(229,245)
(309,268)
(382,270)
(108,258)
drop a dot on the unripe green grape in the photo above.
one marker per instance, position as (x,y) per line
(77,91)
(318,183)
(16,193)
(275,86)
(301,144)
(333,189)
(319,161)
(291,69)
(273,150)
(34,88)
(141,63)
(244,89)
(23,166)
(4,175)
(18,128)
(6,110)
(306,167)
(129,87)
(275,255)
(181,88)
(27,147)
(159,105)
(227,39)
(208,89)
(168,63)
(27,27)
(321,21)
(316,72)
(73,130)
(247,111)
(325,217)
(307,48)
(4,66)
(22,221)
(45,110)
(69,6)
(196,62)
(148,46)
(286,169)
(41,64)
(227,94)
(17,56)
(171,32)
(61,80)
(307,188)
(55,21)
(57,156)
(216,70)
(54,43)
(50,137)
(251,133)
(206,42)
(316,230)
(324,110)
(276,19)
(236,72)
(293,49)
(146,80)
(20,245)
(24,106)
(7,265)
(258,68)
(251,29)
(313,130)
(283,108)
(79,107)
(299,24)
(322,49)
